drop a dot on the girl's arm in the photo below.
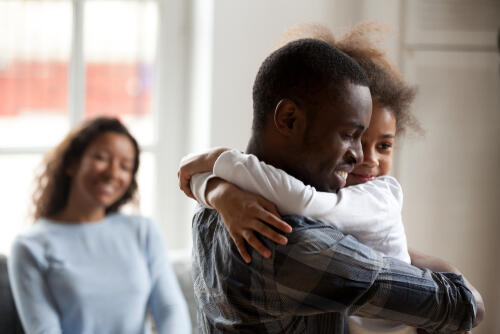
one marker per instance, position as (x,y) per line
(242,212)
(373,201)
(195,164)
(422,260)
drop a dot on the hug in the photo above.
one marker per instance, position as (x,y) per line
(301,233)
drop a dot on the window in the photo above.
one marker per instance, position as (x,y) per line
(62,62)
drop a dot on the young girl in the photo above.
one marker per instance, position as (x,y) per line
(370,209)
(83,267)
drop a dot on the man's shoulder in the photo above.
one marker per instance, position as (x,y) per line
(312,239)
(299,223)
(204,215)
(307,227)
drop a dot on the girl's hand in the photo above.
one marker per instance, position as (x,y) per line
(243,214)
(193,164)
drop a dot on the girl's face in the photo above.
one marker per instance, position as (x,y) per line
(377,143)
(105,171)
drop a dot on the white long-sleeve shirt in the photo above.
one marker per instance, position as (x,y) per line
(371,211)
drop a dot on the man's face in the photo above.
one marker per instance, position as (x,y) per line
(332,143)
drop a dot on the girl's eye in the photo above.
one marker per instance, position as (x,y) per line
(385,146)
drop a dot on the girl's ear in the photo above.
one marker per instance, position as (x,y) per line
(289,119)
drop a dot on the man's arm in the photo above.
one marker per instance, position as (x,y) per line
(422,260)
(321,270)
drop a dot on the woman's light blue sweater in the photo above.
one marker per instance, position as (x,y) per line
(97,277)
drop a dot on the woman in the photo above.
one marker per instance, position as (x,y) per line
(83,267)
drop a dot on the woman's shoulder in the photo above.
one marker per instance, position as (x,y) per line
(38,231)
(32,242)
(134,221)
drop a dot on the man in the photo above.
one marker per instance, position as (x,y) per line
(311,106)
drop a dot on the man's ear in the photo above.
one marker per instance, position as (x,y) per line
(289,119)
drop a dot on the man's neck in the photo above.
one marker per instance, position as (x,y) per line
(261,148)
(254,147)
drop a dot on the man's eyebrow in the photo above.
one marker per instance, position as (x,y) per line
(387,136)
(355,125)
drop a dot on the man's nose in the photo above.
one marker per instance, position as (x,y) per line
(355,152)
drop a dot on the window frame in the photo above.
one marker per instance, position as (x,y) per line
(169,110)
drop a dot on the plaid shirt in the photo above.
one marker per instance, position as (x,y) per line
(314,282)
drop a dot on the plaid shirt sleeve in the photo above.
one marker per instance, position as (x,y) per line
(321,270)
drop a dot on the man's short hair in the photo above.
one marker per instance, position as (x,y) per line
(301,71)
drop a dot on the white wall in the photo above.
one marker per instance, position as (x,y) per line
(245,32)
(450,175)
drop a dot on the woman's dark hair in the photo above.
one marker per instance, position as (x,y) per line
(53,184)
(387,87)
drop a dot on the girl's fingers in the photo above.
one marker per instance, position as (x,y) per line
(273,220)
(242,248)
(268,206)
(184,184)
(269,233)
(256,243)
(187,190)
(190,194)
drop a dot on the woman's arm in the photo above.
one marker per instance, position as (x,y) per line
(166,302)
(31,293)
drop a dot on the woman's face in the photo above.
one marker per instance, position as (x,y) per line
(105,171)
(377,143)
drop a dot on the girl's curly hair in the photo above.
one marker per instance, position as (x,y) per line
(53,184)
(387,87)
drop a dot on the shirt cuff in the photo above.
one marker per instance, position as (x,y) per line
(199,184)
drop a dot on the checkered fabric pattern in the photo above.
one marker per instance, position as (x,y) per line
(314,282)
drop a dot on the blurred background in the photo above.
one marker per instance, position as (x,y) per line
(180,73)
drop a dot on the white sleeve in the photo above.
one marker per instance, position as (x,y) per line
(351,209)
(198,186)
